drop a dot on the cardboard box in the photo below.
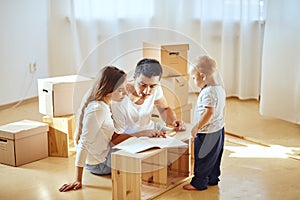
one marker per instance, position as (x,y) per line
(184,113)
(175,90)
(23,142)
(173,58)
(60,135)
(62,95)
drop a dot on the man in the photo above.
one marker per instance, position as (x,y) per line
(133,114)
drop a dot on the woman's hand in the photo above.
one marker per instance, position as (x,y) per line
(71,186)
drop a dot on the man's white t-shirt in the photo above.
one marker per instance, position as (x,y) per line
(130,118)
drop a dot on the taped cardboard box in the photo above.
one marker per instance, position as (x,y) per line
(184,113)
(173,58)
(175,90)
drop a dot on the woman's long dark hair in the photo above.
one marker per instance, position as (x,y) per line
(107,81)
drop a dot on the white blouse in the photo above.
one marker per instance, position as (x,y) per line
(97,130)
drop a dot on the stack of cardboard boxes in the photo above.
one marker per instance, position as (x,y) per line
(59,100)
(26,141)
(174,82)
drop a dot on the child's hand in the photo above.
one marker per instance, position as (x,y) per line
(194,131)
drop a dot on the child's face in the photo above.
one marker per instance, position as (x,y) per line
(198,79)
(120,92)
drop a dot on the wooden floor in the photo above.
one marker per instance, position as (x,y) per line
(261,161)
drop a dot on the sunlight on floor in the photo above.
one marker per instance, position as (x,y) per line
(258,151)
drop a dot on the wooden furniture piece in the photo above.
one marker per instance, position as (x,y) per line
(60,135)
(148,174)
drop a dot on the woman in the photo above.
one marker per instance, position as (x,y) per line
(95,125)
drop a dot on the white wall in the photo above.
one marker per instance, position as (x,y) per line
(60,39)
(23,39)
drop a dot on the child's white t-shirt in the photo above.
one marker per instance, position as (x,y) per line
(211,96)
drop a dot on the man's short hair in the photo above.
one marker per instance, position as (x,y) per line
(148,67)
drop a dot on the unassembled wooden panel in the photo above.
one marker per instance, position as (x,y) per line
(64,124)
(58,143)
(60,135)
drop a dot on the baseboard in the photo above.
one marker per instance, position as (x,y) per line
(24,101)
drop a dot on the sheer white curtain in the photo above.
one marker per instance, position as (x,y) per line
(112,32)
(280,94)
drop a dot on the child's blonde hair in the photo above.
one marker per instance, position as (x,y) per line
(205,64)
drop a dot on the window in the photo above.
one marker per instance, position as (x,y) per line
(112,9)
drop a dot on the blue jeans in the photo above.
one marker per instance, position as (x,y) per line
(101,168)
(208,150)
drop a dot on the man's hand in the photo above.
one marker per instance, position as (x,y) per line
(178,125)
(150,133)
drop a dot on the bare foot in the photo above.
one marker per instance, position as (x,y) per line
(189,187)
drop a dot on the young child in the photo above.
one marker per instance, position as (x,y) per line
(208,130)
